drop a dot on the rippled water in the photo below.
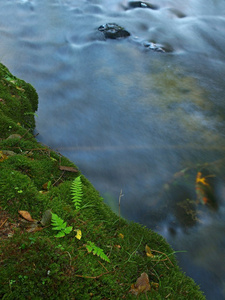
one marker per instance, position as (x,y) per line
(131,118)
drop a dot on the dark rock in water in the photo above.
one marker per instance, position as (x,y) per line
(135,4)
(113,31)
(154,47)
(177,13)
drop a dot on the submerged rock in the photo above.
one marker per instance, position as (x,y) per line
(154,47)
(141,4)
(113,31)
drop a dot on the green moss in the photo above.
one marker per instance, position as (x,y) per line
(19,99)
(36,264)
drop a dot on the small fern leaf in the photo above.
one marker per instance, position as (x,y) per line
(56,221)
(76,191)
(60,234)
(60,225)
(91,247)
(67,230)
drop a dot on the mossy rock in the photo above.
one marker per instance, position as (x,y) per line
(34,264)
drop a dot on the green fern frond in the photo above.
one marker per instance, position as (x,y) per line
(76,191)
(60,225)
(91,247)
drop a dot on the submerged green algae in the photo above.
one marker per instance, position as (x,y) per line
(34,264)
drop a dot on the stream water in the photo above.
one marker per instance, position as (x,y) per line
(131,118)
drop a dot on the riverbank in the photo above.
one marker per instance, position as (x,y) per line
(34,263)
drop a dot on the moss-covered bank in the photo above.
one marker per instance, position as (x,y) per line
(34,264)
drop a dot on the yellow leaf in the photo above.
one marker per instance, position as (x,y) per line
(148,251)
(201,179)
(2,156)
(121,235)
(203,188)
(20,89)
(79,234)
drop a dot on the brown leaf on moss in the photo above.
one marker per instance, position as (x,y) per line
(45,186)
(26,215)
(141,286)
(68,169)
(34,228)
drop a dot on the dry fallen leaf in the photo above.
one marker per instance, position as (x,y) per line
(45,186)
(69,169)
(141,286)
(26,215)
(34,228)
(148,251)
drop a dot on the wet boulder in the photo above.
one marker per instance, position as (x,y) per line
(141,4)
(113,31)
(154,47)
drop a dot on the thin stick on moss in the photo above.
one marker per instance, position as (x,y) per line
(120,196)
(103,266)
(133,251)
(58,178)
(3,222)
(93,277)
(163,254)
(69,257)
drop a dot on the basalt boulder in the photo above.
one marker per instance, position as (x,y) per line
(141,4)
(113,31)
(154,47)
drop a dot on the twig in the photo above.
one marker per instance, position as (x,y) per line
(133,251)
(120,196)
(22,136)
(103,266)
(92,277)
(163,254)
(58,178)
(3,222)
(69,256)
(33,136)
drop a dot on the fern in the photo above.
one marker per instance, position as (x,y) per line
(76,191)
(91,247)
(60,225)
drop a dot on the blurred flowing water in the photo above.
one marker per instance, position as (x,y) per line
(131,118)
